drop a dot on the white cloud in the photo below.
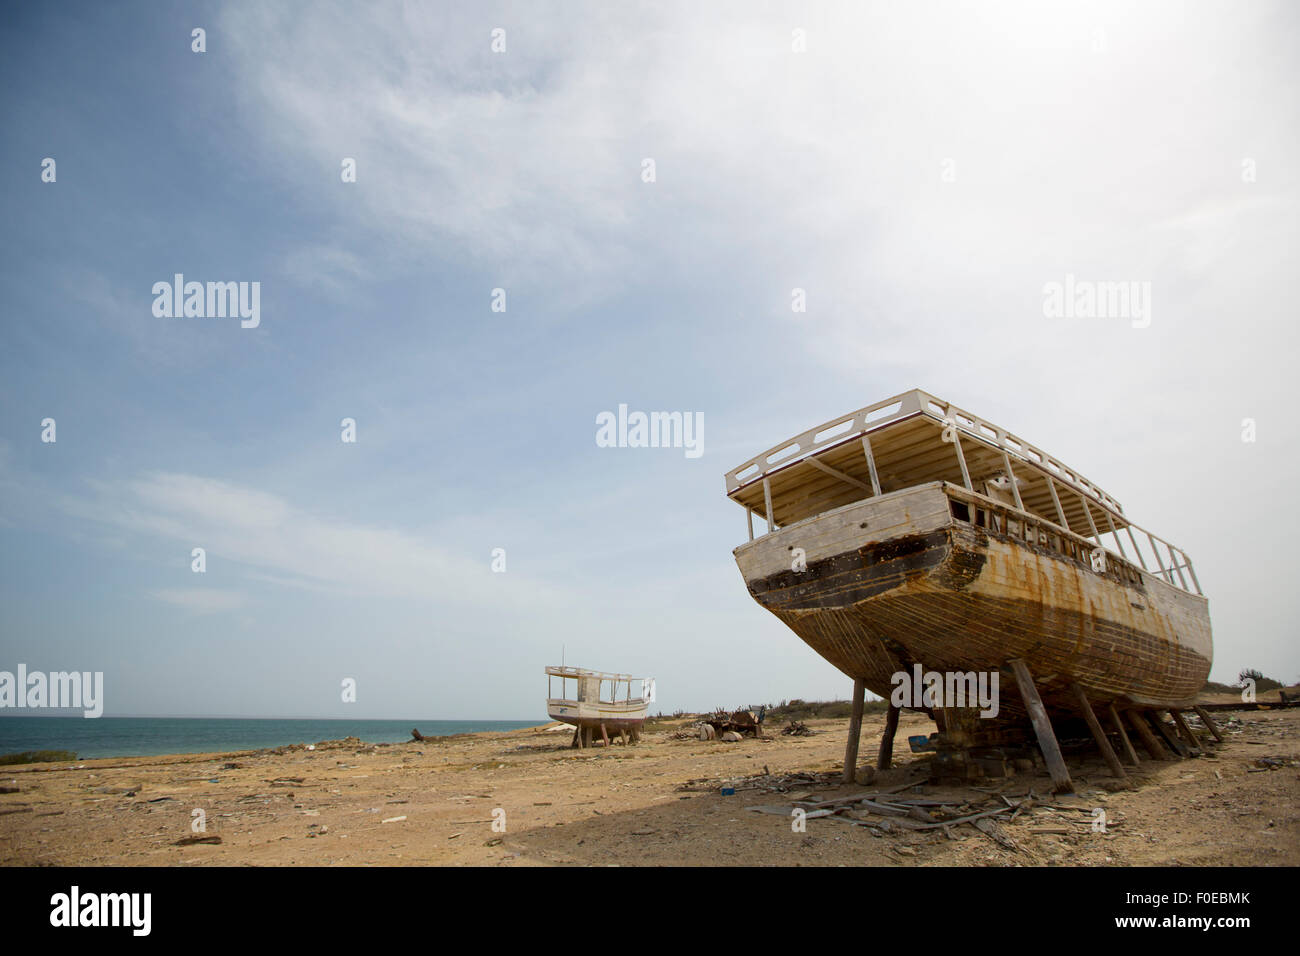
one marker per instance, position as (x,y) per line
(506,155)
(326,265)
(200,600)
(273,541)
(819,169)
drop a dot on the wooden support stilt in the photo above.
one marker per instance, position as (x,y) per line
(604,735)
(1176,745)
(576,741)
(855,733)
(1209,724)
(622,732)
(1061,781)
(1186,731)
(1144,733)
(1123,735)
(886,754)
(1099,734)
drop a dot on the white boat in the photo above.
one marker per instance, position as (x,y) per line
(598,704)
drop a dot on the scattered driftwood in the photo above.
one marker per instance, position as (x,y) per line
(995,833)
(1006,816)
(767,781)
(190,841)
(872,795)
(797,728)
(886,810)
(969,818)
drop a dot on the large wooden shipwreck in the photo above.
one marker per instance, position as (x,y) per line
(914,533)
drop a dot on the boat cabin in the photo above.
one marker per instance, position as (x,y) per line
(993,480)
(595,687)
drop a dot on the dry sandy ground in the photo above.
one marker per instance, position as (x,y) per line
(336,805)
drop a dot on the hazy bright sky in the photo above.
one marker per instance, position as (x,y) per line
(922,170)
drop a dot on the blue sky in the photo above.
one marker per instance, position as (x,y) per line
(921,173)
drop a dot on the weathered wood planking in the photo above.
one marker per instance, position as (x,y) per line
(835,532)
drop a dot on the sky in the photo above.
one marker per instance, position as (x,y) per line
(921,172)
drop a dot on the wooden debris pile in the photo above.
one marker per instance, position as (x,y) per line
(886,811)
(797,728)
(730,726)
(743,722)
(704,730)
(889,811)
(766,781)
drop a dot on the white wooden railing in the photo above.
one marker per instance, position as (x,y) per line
(897,408)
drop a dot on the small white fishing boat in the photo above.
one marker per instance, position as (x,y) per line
(598,703)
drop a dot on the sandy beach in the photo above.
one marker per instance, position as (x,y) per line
(658,803)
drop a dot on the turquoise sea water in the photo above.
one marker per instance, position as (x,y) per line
(143,736)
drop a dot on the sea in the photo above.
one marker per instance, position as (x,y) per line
(150,736)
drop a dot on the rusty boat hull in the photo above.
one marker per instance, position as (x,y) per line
(954,582)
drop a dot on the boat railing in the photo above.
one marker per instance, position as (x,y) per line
(1036,529)
(830,433)
(560,671)
(620,685)
(908,404)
